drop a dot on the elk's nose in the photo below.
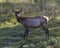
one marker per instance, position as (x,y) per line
(18,14)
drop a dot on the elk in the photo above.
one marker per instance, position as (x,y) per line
(32,22)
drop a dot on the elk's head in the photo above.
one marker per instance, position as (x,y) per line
(17,12)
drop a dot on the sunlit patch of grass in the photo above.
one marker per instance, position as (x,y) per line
(13,22)
(53,28)
(55,31)
(57,17)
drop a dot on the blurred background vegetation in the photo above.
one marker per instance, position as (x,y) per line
(11,32)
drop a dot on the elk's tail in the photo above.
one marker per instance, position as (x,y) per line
(46,18)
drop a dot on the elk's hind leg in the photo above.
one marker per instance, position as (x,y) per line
(45,29)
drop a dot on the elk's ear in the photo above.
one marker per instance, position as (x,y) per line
(21,10)
(13,10)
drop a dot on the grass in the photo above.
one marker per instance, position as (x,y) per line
(12,34)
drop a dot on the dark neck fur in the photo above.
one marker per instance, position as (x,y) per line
(19,19)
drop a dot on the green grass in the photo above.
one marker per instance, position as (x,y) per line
(11,33)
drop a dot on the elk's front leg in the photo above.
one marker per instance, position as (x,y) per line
(26,34)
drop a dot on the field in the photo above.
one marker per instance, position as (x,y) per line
(11,32)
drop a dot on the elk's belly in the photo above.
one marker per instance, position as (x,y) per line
(33,23)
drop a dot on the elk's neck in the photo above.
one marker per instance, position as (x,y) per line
(19,19)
